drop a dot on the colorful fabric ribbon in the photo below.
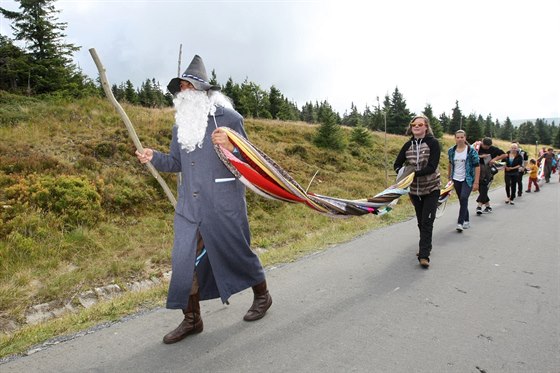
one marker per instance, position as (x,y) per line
(263,176)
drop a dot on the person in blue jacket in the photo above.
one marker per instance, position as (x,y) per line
(212,256)
(464,171)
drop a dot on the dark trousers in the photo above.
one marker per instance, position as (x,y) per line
(547,171)
(425,207)
(520,184)
(511,185)
(463,191)
(533,180)
(483,192)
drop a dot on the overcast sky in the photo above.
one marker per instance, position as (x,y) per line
(495,57)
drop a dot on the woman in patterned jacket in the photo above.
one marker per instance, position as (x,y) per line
(421,154)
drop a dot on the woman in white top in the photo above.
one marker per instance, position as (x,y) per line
(464,170)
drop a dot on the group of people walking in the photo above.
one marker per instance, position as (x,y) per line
(471,168)
(212,256)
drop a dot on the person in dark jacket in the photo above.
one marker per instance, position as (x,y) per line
(522,171)
(488,155)
(421,155)
(211,256)
(514,162)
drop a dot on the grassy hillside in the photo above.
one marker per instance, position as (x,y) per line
(77,210)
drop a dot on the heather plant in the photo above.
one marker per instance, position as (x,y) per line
(74,199)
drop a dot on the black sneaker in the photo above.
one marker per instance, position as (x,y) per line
(479,210)
(487,210)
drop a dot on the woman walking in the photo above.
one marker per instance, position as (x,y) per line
(464,170)
(514,161)
(422,153)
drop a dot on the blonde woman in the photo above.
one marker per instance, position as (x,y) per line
(422,153)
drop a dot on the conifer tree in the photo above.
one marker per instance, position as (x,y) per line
(276,101)
(329,134)
(14,66)
(361,136)
(556,142)
(472,128)
(50,57)
(526,133)
(445,122)
(488,127)
(398,115)
(456,119)
(308,113)
(544,134)
(434,122)
(507,130)
(130,94)
(353,119)
(368,118)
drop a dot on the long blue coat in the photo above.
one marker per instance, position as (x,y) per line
(212,201)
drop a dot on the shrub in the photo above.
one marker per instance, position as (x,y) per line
(297,150)
(74,199)
(123,193)
(105,149)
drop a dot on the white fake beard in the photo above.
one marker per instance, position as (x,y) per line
(191,116)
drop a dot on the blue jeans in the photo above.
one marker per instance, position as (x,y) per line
(463,191)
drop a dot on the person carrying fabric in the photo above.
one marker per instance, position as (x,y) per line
(488,155)
(464,171)
(514,162)
(211,226)
(522,171)
(421,154)
(533,171)
(548,157)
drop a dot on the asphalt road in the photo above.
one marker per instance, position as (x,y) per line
(490,302)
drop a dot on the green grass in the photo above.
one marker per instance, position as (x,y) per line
(53,248)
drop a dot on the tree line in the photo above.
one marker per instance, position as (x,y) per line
(45,66)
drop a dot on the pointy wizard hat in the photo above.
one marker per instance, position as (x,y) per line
(195,74)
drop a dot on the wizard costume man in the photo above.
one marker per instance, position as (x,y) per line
(211,256)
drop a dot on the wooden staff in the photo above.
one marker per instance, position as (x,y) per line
(128,124)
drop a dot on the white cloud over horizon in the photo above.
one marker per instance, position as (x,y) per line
(499,57)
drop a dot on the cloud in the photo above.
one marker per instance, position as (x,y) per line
(497,57)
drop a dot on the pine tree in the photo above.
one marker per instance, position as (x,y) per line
(472,128)
(434,122)
(361,136)
(445,122)
(368,118)
(276,100)
(398,115)
(507,130)
(544,133)
(308,113)
(456,122)
(50,57)
(526,133)
(353,119)
(14,66)
(329,134)
(489,127)
(556,142)
(130,94)
(213,78)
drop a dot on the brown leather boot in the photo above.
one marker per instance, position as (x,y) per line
(261,303)
(191,324)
